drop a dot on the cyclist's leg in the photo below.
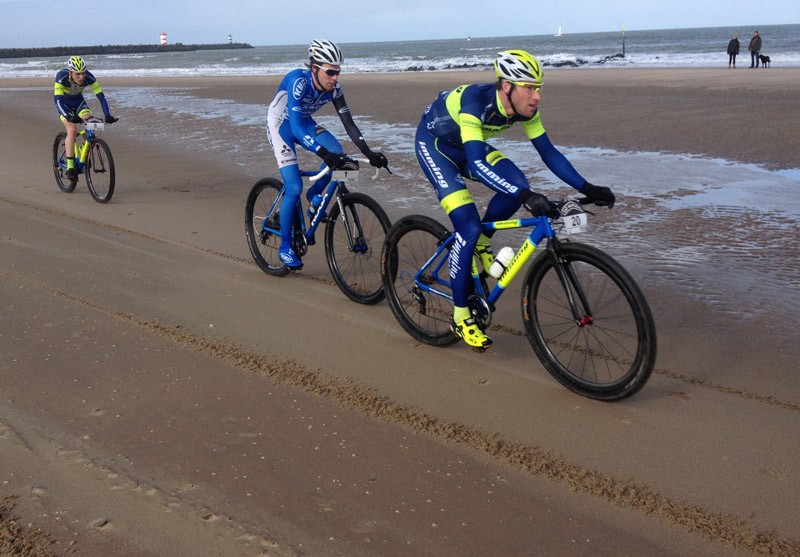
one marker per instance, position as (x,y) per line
(503,205)
(292,185)
(282,142)
(327,140)
(69,148)
(442,170)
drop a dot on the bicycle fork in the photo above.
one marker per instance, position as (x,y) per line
(572,288)
(356,243)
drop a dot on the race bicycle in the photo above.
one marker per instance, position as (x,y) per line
(92,158)
(355,228)
(585,317)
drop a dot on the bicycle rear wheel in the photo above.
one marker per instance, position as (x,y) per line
(424,315)
(60,164)
(100,174)
(609,352)
(353,242)
(263,204)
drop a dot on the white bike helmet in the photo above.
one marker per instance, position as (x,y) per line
(518,66)
(76,64)
(322,51)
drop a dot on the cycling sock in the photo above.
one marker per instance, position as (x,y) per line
(459,313)
(70,162)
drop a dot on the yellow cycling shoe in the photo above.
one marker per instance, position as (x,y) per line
(469,331)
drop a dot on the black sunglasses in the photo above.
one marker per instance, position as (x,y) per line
(329,71)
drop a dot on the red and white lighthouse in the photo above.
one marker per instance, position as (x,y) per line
(163,38)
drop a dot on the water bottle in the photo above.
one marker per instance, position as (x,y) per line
(314,205)
(501,261)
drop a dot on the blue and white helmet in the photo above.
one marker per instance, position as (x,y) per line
(323,51)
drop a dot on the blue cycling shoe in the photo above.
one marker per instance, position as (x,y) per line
(290,259)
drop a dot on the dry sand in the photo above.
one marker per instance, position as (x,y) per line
(160,395)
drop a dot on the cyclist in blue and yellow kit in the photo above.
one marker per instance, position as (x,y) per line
(301,93)
(451,145)
(72,107)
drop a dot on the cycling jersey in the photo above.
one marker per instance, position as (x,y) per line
(68,95)
(289,117)
(464,118)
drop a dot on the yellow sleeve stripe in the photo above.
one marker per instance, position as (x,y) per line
(533,127)
(471,128)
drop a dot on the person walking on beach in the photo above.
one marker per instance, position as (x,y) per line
(733,50)
(72,107)
(451,145)
(301,93)
(755,49)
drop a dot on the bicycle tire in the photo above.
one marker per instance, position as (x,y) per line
(613,354)
(425,316)
(60,164)
(264,245)
(355,263)
(100,172)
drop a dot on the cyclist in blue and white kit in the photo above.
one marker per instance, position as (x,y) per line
(451,145)
(301,93)
(72,107)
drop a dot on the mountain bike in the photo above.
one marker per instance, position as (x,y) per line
(92,158)
(585,317)
(355,228)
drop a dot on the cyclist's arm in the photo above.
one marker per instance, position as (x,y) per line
(475,150)
(557,162)
(302,125)
(59,92)
(349,124)
(91,81)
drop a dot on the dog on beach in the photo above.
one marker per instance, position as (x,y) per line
(765,61)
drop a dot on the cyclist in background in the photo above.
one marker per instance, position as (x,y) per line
(301,93)
(72,107)
(451,145)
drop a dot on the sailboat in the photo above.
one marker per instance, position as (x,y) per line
(559,33)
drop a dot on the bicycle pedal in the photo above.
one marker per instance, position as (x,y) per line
(480,349)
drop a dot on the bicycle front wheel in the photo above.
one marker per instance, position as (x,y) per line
(60,164)
(353,241)
(423,306)
(262,207)
(100,174)
(606,352)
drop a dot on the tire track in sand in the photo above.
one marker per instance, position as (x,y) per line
(725,529)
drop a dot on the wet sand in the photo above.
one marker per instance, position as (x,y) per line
(158,393)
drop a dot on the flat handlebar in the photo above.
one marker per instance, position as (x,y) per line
(327,169)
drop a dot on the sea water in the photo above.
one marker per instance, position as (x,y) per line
(666,48)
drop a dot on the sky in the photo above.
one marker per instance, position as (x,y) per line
(43,23)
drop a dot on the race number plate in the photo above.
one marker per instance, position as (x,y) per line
(575,224)
(97,127)
(345,175)
(574,217)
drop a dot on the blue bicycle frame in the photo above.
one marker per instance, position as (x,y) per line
(318,217)
(428,279)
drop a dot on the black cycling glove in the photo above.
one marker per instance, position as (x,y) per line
(75,119)
(538,204)
(378,159)
(599,195)
(110,119)
(333,160)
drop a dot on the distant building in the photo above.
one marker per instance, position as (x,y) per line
(163,38)
(230,38)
